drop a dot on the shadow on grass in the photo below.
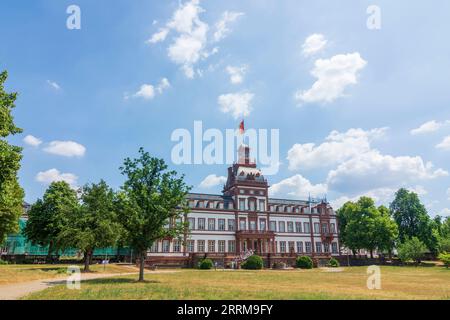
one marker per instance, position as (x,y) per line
(118,281)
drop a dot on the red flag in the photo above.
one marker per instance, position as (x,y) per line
(242,127)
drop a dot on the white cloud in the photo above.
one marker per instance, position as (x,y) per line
(236,74)
(333,77)
(190,43)
(53,175)
(448,193)
(54,85)
(427,127)
(159,36)
(372,170)
(32,141)
(314,44)
(444,144)
(297,187)
(445,212)
(148,91)
(238,104)
(337,147)
(65,148)
(212,181)
(222,29)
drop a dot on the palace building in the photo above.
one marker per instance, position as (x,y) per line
(243,220)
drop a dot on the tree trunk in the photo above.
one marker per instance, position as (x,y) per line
(141,266)
(87,260)
(371,254)
(49,252)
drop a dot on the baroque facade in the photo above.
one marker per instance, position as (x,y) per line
(244,220)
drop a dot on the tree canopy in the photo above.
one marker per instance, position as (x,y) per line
(11,194)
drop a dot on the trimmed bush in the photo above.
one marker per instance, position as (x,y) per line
(333,263)
(253,263)
(304,262)
(445,258)
(206,264)
(3,262)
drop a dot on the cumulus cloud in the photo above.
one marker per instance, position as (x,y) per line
(54,85)
(333,77)
(190,42)
(372,170)
(297,187)
(428,127)
(238,104)
(337,148)
(444,144)
(445,212)
(222,26)
(212,181)
(149,91)
(54,175)
(66,149)
(236,74)
(32,141)
(314,44)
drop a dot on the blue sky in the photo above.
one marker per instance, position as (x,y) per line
(346,102)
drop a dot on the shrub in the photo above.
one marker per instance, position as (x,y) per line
(411,250)
(445,258)
(279,265)
(206,264)
(253,263)
(333,263)
(304,262)
(3,262)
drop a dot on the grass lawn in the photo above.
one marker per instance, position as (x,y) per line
(397,283)
(10,274)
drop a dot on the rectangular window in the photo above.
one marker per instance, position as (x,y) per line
(252,225)
(191,222)
(299,247)
(212,224)
(231,223)
(211,246)
(306,227)
(262,224)
(334,247)
(325,228)
(332,228)
(201,223)
(273,226)
(316,227)
(308,247)
(251,205)
(166,246)
(221,224)
(231,246)
(201,245)
(291,245)
(283,246)
(262,205)
(242,204)
(154,247)
(290,226)
(298,227)
(242,224)
(221,246)
(190,245)
(326,247)
(281,226)
(176,246)
(319,247)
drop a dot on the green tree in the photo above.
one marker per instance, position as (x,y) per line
(94,225)
(11,194)
(412,219)
(151,204)
(411,250)
(364,226)
(51,215)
